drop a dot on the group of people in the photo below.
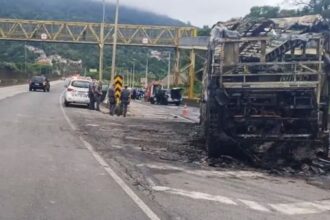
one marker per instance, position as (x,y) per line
(95,95)
(125,98)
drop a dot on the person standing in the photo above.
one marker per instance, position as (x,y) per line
(125,100)
(134,94)
(91,91)
(98,95)
(112,100)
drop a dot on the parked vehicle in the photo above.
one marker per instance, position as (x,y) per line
(151,91)
(39,83)
(174,96)
(169,96)
(77,92)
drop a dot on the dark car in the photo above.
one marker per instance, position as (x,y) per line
(39,83)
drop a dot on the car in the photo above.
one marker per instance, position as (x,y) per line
(174,96)
(77,92)
(168,96)
(39,83)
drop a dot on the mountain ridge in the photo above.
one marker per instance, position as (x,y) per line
(80,11)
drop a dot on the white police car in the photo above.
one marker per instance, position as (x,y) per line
(77,92)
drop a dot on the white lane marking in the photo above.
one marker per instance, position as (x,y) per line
(325,204)
(302,207)
(207,173)
(92,125)
(150,182)
(64,114)
(254,205)
(139,202)
(117,147)
(195,195)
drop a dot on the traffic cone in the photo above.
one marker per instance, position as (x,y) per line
(185,111)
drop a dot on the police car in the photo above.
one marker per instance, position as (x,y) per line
(77,91)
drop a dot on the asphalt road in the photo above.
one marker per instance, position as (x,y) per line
(50,170)
(47,172)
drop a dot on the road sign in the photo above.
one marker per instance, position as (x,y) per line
(118,83)
(44,36)
(145,40)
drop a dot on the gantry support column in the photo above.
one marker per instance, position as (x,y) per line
(177,67)
(192,74)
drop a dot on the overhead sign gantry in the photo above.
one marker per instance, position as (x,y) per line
(100,34)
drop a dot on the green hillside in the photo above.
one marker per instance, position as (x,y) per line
(80,10)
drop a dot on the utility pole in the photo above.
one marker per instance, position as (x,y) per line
(133,83)
(147,70)
(130,77)
(169,70)
(114,47)
(101,44)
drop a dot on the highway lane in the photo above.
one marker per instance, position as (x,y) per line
(10,91)
(46,172)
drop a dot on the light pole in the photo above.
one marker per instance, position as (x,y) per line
(103,14)
(169,70)
(133,81)
(127,76)
(114,47)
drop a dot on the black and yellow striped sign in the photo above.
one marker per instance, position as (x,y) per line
(118,82)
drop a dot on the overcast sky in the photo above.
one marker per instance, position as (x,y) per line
(199,12)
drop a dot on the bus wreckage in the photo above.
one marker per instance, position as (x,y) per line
(266,93)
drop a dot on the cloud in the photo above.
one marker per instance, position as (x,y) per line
(199,12)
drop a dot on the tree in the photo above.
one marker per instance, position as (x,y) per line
(263,12)
(205,31)
(288,13)
(314,6)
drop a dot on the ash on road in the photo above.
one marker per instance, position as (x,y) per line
(158,152)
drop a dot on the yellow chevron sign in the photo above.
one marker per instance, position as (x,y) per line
(118,82)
